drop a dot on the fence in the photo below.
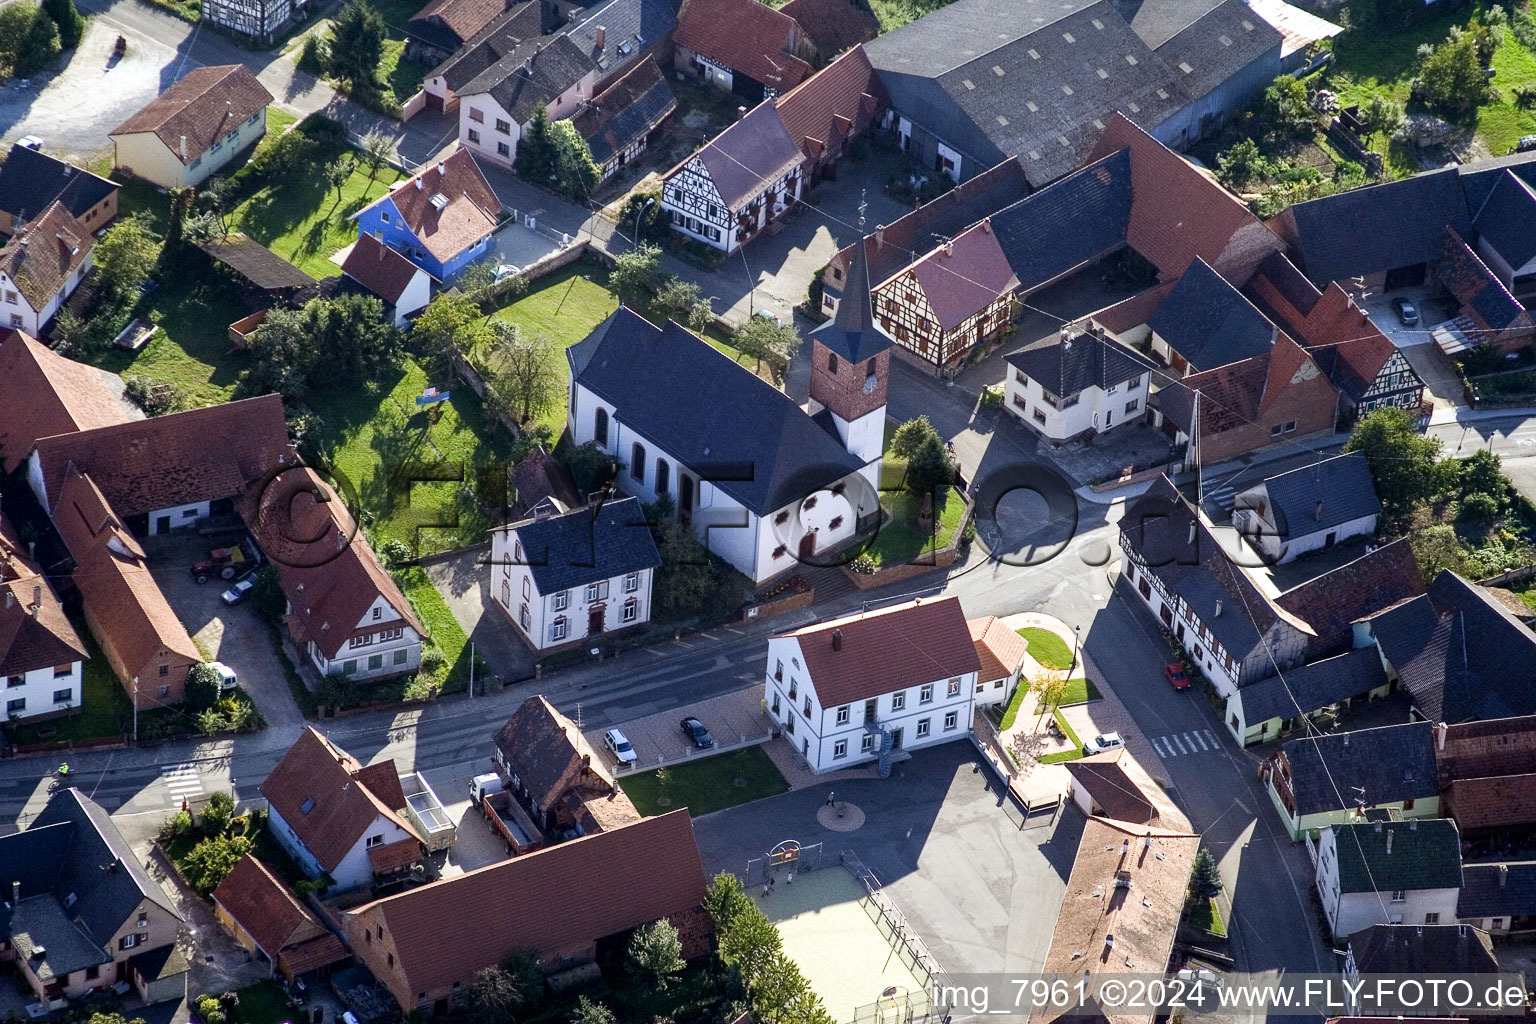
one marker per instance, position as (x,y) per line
(910,949)
(761,869)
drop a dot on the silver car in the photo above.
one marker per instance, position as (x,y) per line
(619,744)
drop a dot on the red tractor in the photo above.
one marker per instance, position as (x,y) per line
(225,563)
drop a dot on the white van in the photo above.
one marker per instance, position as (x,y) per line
(227,680)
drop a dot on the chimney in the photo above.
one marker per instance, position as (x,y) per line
(837,639)
(1389,842)
(1218,608)
(1317,511)
(1503,875)
(949,248)
(1413,826)
(1440,731)
(1125,847)
(15,893)
(37,600)
(741,112)
(418,183)
(602,36)
(10,600)
(879,235)
(183,147)
(440,170)
(986,225)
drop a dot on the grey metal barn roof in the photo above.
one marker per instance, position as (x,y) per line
(743,435)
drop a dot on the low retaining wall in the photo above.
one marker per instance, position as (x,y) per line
(62,746)
(897,573)
(791,600)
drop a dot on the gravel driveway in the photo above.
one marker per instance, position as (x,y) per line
(75,105)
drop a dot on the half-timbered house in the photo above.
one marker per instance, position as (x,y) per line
(735,186)
(258,19)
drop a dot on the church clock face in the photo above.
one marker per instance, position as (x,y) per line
(869,384)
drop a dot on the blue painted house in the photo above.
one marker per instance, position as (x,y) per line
(441,219)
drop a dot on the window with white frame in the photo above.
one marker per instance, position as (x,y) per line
(951,720)
(925,695)
(842,715)
(866,743)
(954,686)
(898,701)
(631,583)
(922,727)
(557,628)
(560,600)
(631,610)
(597,591)
(840,748)
(523,618)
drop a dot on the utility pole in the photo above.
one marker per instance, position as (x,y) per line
(472,665)
(135,710)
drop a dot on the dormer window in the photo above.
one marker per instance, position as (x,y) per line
(307,806)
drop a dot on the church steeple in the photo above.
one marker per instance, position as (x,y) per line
(851,362)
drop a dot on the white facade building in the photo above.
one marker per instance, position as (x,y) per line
(1388,872)
(869,686)
(568,578)
(384,643)
(1308,509)
(1069,387)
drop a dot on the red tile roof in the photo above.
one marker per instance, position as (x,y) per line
(1180,213)
(964,277)
(745,36)
(999,649)
(331,580)
(1492,747)
(133,622)
(556,900)
(464,18)
(833,105)
(42,394)
(559,769)
(41,257)
(379,268)
(887,649)
(268,910)
(468,215)
(331,782)
(1331,603)
(182,458)
(833,25)
(34,631)
(1492,802)
(199,110)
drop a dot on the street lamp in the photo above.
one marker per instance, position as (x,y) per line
(641,213)
(1077,642)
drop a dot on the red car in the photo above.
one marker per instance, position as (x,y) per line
(1175,673)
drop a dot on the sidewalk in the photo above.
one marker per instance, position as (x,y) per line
(1444,416)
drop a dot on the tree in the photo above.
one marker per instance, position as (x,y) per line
(212,859)
(112,1018)
(337,174)
(656,954)
(494,996)
(1286,106)
(281,355)
(687,578)
(929,470)
(1049,687)
(781,995)
(356,43)
(1482,473)
(1381,115)
(446,324)
(525,378)
(1478,509)
(39,45)
(1241,164)
(578,174)
(1402,462)
(267,594)
(377,148)
(202,687)
(636,272)
(535,160)
(125,256)
(69,20)
(909,437)
(15,20)
(216,196)
(678,297)
(1451,79)
(726,900)
(750,943)
(591,1011)
(591,467)
(218,813)
(1437,548)
(1205,880)
(314,56)
(763,338)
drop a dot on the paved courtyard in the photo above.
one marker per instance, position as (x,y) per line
(981,893)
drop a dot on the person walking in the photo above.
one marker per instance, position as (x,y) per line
(770,883)
(830,796)
(791,878)
(765,890)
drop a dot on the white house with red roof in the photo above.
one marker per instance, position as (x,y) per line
(40,266)
(869,686)
(404,287)
(41,655)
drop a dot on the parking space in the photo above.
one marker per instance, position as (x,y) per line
(476,843)
(519,245)
(234,635)
(947,851)
(731,719)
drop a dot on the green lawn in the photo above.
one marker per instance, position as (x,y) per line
(264,1003)
(708,784)
(105,707)
(1066,730)
(1011,712)
(402,77)
(1047,648)
(903,537)
(1079,691)
(191,350)
(1369,61)
(893,14)
(373,433)
(301,219)
(1207,917)
(447,635)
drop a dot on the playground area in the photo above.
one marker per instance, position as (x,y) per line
(846,952)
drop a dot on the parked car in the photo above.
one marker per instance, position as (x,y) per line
(1102,742)
(619,744)
(1525,145)
(30,142)
(1175,673)
(240,591)
(1407,313)
(695,731)
(227,678)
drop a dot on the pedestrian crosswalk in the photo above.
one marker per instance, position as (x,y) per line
(1179,744)
(183,780)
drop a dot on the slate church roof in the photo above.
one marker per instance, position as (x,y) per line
(749,439)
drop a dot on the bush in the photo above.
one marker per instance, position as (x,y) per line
(267,594)
(210,860)
(38,46)
(174,827)
(69,20)
(433,661)
(202,687)
(218,814)
(864,564)
(1478,509)
(911,435)
(1451,79)
(315,57)
(154,397)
